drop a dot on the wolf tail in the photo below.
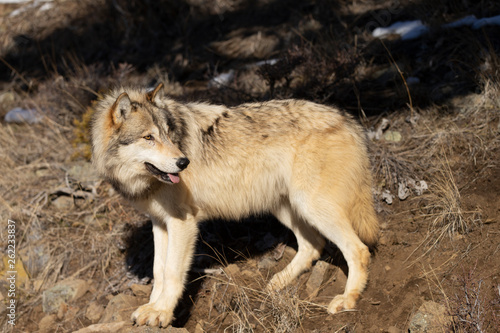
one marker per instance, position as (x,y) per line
(364,220)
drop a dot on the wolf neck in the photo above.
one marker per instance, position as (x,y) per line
(135,189)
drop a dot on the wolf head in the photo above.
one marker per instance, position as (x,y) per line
(131,142)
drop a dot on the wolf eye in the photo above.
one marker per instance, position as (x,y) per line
(149,137)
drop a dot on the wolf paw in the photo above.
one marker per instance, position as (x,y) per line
(336,305)
(150,316)
(342,302)
(276,283)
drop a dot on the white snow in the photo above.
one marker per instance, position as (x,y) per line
(407,30)
(414,29)
(222,79)
(266,62)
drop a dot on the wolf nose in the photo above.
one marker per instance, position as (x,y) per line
(182,163)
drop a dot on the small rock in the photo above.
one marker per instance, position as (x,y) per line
(21,116)
(94,311)
(104,328)
(232,270)
(403,191)
(47,324)
(387,197)
(392,136)
(316,278)
(65,291)
(120,308)
(430,317)
(141,290)
(420,187)
(387,268)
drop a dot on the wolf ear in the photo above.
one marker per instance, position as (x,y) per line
(121,109)
(152,95)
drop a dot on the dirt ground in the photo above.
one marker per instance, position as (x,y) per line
(430,105)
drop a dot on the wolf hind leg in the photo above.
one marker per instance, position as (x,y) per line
(332,223)
(310,245)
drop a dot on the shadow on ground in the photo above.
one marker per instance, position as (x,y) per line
(335,58)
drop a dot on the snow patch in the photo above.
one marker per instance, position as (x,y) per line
(408,30)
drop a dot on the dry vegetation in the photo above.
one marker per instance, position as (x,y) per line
(70,224)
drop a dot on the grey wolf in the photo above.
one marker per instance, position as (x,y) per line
(186,162)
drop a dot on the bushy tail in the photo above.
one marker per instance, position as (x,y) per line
(364,221)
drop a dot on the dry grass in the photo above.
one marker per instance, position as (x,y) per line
(253,309)
(445,208)
(471,306)
(56,243)
(441,147)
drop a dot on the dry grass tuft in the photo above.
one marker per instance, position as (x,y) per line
(447,217)
(470,306)
(253,309)
(287,310)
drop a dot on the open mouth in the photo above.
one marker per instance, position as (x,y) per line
(171,178)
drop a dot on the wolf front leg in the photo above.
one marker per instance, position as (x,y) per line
(174,248)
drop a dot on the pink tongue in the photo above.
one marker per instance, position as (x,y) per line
(175,179)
